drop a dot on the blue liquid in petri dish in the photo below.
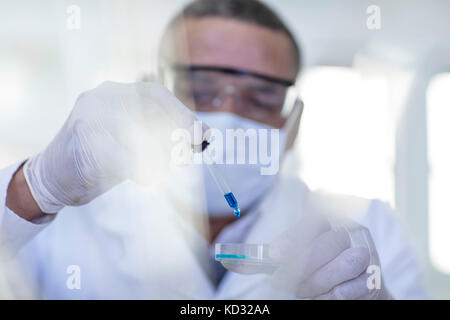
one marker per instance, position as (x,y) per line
(232,202)
(231,256)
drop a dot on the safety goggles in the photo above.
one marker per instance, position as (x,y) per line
(255,96)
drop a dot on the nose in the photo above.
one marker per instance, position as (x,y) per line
(228,100)
(229,104)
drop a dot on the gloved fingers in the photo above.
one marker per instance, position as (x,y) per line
(322,250)
(162,110)
(350,290)
(116,143)
(150,106)
(297,238)
(174,108)
(103,111)
(361,237)
(100,152)
(348,265)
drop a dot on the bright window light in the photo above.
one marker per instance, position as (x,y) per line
(347,139)
(11,84)
(438,114)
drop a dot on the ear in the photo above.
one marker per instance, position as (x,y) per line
(293,123)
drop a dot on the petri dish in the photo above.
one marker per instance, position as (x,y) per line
(244,254)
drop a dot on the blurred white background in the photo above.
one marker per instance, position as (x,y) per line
(376,101)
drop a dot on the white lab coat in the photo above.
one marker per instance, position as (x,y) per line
(166,259)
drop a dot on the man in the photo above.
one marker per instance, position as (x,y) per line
(233,62)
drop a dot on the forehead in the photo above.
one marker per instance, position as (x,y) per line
(232,43)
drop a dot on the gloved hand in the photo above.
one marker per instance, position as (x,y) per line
(114,132)
(320,261)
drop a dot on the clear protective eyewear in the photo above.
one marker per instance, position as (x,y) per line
(258,97)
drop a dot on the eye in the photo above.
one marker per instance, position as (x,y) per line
(264,103)
(202,96)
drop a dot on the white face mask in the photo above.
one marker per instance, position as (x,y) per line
(248,181)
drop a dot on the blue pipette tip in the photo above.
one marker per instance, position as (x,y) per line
(232,202)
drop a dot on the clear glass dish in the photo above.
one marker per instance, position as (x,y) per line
(251,254)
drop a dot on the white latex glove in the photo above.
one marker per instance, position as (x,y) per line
(113,132)
(317,261)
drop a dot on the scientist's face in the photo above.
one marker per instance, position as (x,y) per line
(229,47)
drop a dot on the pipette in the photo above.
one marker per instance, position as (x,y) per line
(220,181)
